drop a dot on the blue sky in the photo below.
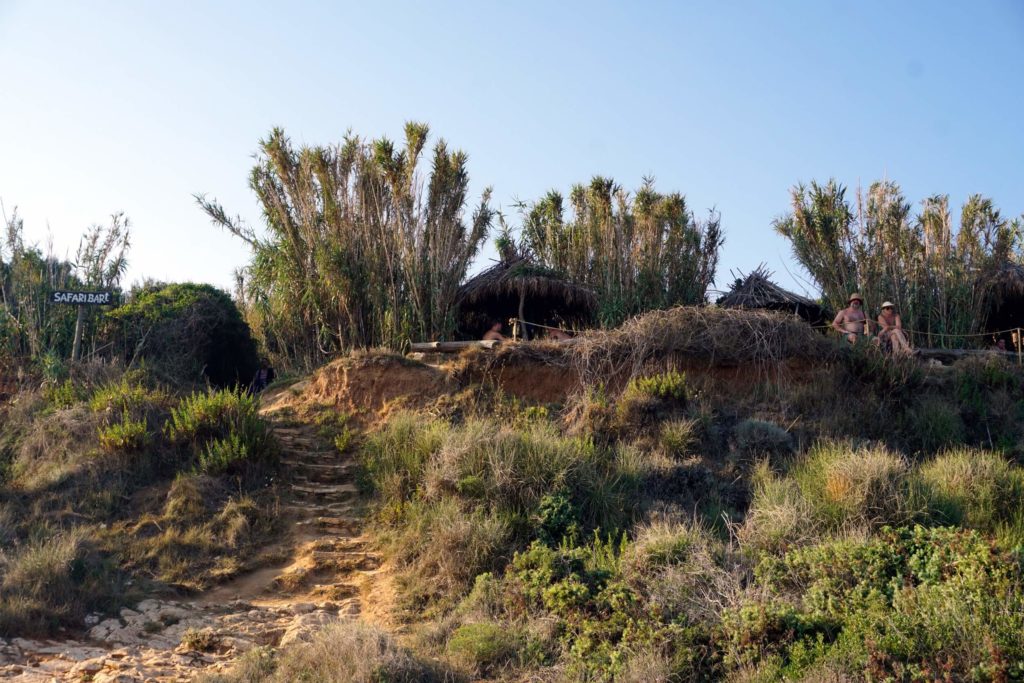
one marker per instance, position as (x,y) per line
(135,106)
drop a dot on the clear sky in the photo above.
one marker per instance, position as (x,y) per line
(135,106)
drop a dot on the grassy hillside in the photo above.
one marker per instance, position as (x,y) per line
(684,506)
(112,486)
(835,515)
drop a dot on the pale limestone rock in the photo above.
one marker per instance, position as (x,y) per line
(302,607)
(89,667)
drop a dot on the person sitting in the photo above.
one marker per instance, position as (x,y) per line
(891,330)
(494,333)
(558,334)
(998,345)
(851,321)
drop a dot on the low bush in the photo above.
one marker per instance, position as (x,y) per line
(651,398)
(906,604)
(779,517)
(352,652)
(455,501)
(485,648)
(224,431)
(755,438)
(125,436)
(64,394)
(130,394)
(933,423)
(677,437)
(975,489)
(52,581)
(854,487)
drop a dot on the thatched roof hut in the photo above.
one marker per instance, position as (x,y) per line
(758,291)
(518,288)
(1006,308)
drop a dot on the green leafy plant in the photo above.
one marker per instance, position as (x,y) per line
(128,435)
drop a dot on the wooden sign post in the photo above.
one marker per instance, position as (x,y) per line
(81,299)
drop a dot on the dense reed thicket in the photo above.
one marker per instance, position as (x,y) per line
(30,325)
(639,251)
(940,278)
(361,248)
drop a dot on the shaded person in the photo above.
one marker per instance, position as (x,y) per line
(557,334)
(852,321)
(891,330)
(494,333)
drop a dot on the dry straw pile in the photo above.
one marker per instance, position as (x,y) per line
(764,340)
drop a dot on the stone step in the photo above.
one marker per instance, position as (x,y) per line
(335,524)
(319,465)
(314,455)
(334,591)
(359,561)
(346,490)
(317,509)
(315,478)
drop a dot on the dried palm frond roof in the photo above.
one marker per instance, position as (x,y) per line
(1009,279)
(758,291)
(520,274)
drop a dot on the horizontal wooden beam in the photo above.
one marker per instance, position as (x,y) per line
(453,346)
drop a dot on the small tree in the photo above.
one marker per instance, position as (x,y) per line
(30,326)
(638,251)
(100,263)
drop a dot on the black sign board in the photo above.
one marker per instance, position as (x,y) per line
(83,298)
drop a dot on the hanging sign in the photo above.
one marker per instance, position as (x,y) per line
(83,298)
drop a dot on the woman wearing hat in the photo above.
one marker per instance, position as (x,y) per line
(851,321)
(891,327)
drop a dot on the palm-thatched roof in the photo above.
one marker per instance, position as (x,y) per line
(521,275)
(1008,282)
(758,291)
(1006,300)
(548,297)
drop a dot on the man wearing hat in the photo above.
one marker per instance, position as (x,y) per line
(852,321)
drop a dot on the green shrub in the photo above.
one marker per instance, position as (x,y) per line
(64,395)
(224,430)
(557,518)
(649,399)
(933,424)
(667,386)
(678,436)
(757,437)
(485,647)
(976,489)
(52,581)
(896,606)
(125,436)
(188,332)
(128,394)
(849,486)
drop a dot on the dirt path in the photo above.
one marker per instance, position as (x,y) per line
(328,575)
(327,555)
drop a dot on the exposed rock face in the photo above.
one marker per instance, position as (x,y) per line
(165,641)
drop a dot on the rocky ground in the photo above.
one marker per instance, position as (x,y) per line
(329,576)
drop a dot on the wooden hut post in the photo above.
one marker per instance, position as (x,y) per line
(522,310)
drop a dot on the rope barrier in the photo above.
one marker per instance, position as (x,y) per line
(1018,339)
